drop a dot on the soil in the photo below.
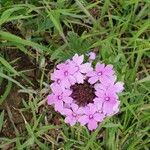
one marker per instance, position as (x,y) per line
(13,103)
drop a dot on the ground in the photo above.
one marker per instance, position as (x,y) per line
(36,35)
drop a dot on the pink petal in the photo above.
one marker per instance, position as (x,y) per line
(59,106)
(72,80)
(107,81)
(108,107)
(116,107)
(67,111)
(99,67)
(91,74)
(72,67)
(119,86)
(99,117)
(50,99)
(56,89)
(92,109)
(79,77)
(93,80)
(100,93)
(61,66)
(58,74)
(68,100)
(78,59)
(92,124)
(74,107)
(67,92)
(85,68)
(92,55)
(71,120)
(83,120)
(109,67)
(66,83)
(98,102)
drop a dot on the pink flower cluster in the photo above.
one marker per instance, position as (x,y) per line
(91,104)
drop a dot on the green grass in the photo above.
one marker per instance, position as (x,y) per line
(53,31)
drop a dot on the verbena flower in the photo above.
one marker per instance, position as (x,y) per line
(83,94)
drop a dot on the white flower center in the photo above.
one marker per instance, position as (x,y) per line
(60,97)
(107,98)
(58,81)
(66,73)
(90,116)
(99,73)
(74,115)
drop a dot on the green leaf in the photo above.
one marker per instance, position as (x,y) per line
(6,14)
(1,119)
(77,44)
(17,40)
(8,66)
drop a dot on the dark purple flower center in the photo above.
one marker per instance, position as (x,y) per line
(83,94)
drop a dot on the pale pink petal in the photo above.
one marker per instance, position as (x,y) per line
(98,102)
(56,89)
(78,59)
(79,78)
(66,83)
(92,55)
(98,86)
(81,110)
(67,111)
(108,107)
(72,68)
(116,107)
(68,100)
(83,120)
(70,120)
(72,80)
(61,66)
(92,124)
(50,99)
(58,74)
(109,67)
(93,80)
(85,68)
(107,81)
(92,108)
(67,92)
(119,86)
(99,67)
(59,106)
(100,93)
(74,107)
(91,74)
(99,117)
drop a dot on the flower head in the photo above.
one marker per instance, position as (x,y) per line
(83,94)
